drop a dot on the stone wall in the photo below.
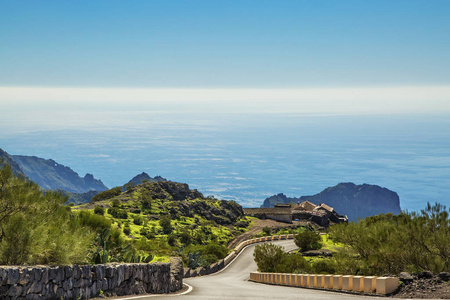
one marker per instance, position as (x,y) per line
(86,281)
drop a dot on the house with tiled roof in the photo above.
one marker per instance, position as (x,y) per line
(321,214)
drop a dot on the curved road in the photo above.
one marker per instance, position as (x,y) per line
(232,283)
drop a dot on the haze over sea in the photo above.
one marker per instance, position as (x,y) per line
(239,99)
(243,156)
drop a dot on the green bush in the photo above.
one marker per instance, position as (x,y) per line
(99,210)
(171,239)
(137,220)
(293,263)
(36,227)
(324,266)
(219,251)
(308,240)
(118,213)
(185,237)
(164,222)
(107,194)
(127,229)
(267,230)
(94,221)
(268,256)
(390,243)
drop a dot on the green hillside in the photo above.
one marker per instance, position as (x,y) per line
(167,218)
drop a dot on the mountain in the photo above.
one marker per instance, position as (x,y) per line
(144,177)
(50,175)
(10,161)
(355,201)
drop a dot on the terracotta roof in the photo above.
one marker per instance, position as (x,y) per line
(305,205)
(270,211)
(326,207)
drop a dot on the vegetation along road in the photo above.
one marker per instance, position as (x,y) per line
(233,283)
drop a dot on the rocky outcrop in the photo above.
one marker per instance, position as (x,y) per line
(83,282)
(355,201)
(226,213)
(144,177)
(169,190)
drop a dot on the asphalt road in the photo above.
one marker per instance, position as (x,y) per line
(233,283)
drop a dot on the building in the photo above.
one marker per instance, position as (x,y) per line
(321,214)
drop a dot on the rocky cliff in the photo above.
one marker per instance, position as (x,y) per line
(6,158)
(51,175)
(355,201)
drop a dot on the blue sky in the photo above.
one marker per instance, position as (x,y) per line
(224,44)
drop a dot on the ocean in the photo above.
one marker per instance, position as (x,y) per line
(243,156)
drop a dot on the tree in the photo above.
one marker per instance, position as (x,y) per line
(308,240)
(36,227)
(164,222)
(268,256)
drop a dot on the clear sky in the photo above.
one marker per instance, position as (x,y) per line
(225,44)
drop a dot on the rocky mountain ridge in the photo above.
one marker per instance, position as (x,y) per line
(355,201)
(50,175)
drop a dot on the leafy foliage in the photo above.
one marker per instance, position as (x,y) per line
(393,243)
(99,210)
(164,222)
(272,258)
(194,260)
(110,248)
(118,213)
(105,195)
(307,240)
(36,228)
(268,256)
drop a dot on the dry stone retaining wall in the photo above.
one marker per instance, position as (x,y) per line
(86,281)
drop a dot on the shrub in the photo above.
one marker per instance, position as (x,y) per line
(219,251)
(118,213)
(267,230)
(126,229)
(99,210)
(116,203)
(164,222)
(324,266)
(171,239)
(390,243)
(137,220)
(185,238)
(268,256)
(107,194)
(94,221)
(293,263)
(308,240)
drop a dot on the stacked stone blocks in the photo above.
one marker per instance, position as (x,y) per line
(87,281)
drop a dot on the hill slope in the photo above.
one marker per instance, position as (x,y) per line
(50,175)
(10,161)
(355,201)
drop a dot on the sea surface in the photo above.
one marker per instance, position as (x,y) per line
(243,156)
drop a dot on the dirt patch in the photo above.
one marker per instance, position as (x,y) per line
(424,288)
(258,225)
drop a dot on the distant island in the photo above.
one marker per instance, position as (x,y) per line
(355,201)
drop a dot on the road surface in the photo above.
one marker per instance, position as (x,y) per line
(233,283)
